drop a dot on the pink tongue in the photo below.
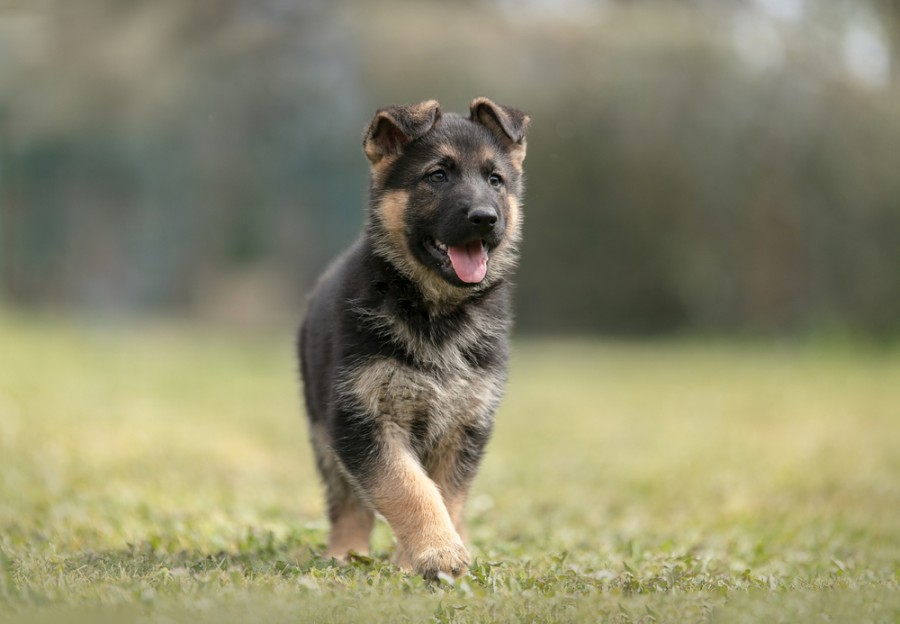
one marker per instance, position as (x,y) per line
(469,261)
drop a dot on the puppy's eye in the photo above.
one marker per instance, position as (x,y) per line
(495,180)
(437,176)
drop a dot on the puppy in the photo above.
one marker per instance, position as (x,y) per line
(404,346)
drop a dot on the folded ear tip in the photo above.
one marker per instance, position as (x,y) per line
(394,126)
(428,107)
(478,102)
(512,122)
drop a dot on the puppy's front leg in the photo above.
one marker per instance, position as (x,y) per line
(411,503)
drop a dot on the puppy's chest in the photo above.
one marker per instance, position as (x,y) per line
(426,403)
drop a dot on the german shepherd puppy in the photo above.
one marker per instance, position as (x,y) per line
(404,346)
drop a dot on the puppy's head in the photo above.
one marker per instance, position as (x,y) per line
(445,193)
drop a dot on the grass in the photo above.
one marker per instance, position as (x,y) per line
(161,472)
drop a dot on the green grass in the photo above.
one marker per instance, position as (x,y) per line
(161,472)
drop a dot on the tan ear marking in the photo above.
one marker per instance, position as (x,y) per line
(506,123)
(393,127)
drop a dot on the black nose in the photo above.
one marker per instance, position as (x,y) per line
(483,219)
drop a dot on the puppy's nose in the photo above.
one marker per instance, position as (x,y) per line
(483,219)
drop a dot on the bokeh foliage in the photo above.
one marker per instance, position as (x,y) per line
(692,166)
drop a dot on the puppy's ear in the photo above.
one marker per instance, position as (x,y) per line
(508,124)
(395,126)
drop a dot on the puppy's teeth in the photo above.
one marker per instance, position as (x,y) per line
(440,245)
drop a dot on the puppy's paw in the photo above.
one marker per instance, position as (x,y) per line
(452,559)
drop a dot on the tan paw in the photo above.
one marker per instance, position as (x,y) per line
(452,559)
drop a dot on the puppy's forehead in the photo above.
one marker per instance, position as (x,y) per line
(463,141)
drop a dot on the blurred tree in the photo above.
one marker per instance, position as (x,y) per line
(10,219)
(693,165)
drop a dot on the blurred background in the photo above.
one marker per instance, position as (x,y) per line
(695,166)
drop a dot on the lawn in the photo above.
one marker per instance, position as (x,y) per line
(160,472)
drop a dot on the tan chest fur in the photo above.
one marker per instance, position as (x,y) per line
(400,396)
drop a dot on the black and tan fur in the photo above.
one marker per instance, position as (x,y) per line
(403,362)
